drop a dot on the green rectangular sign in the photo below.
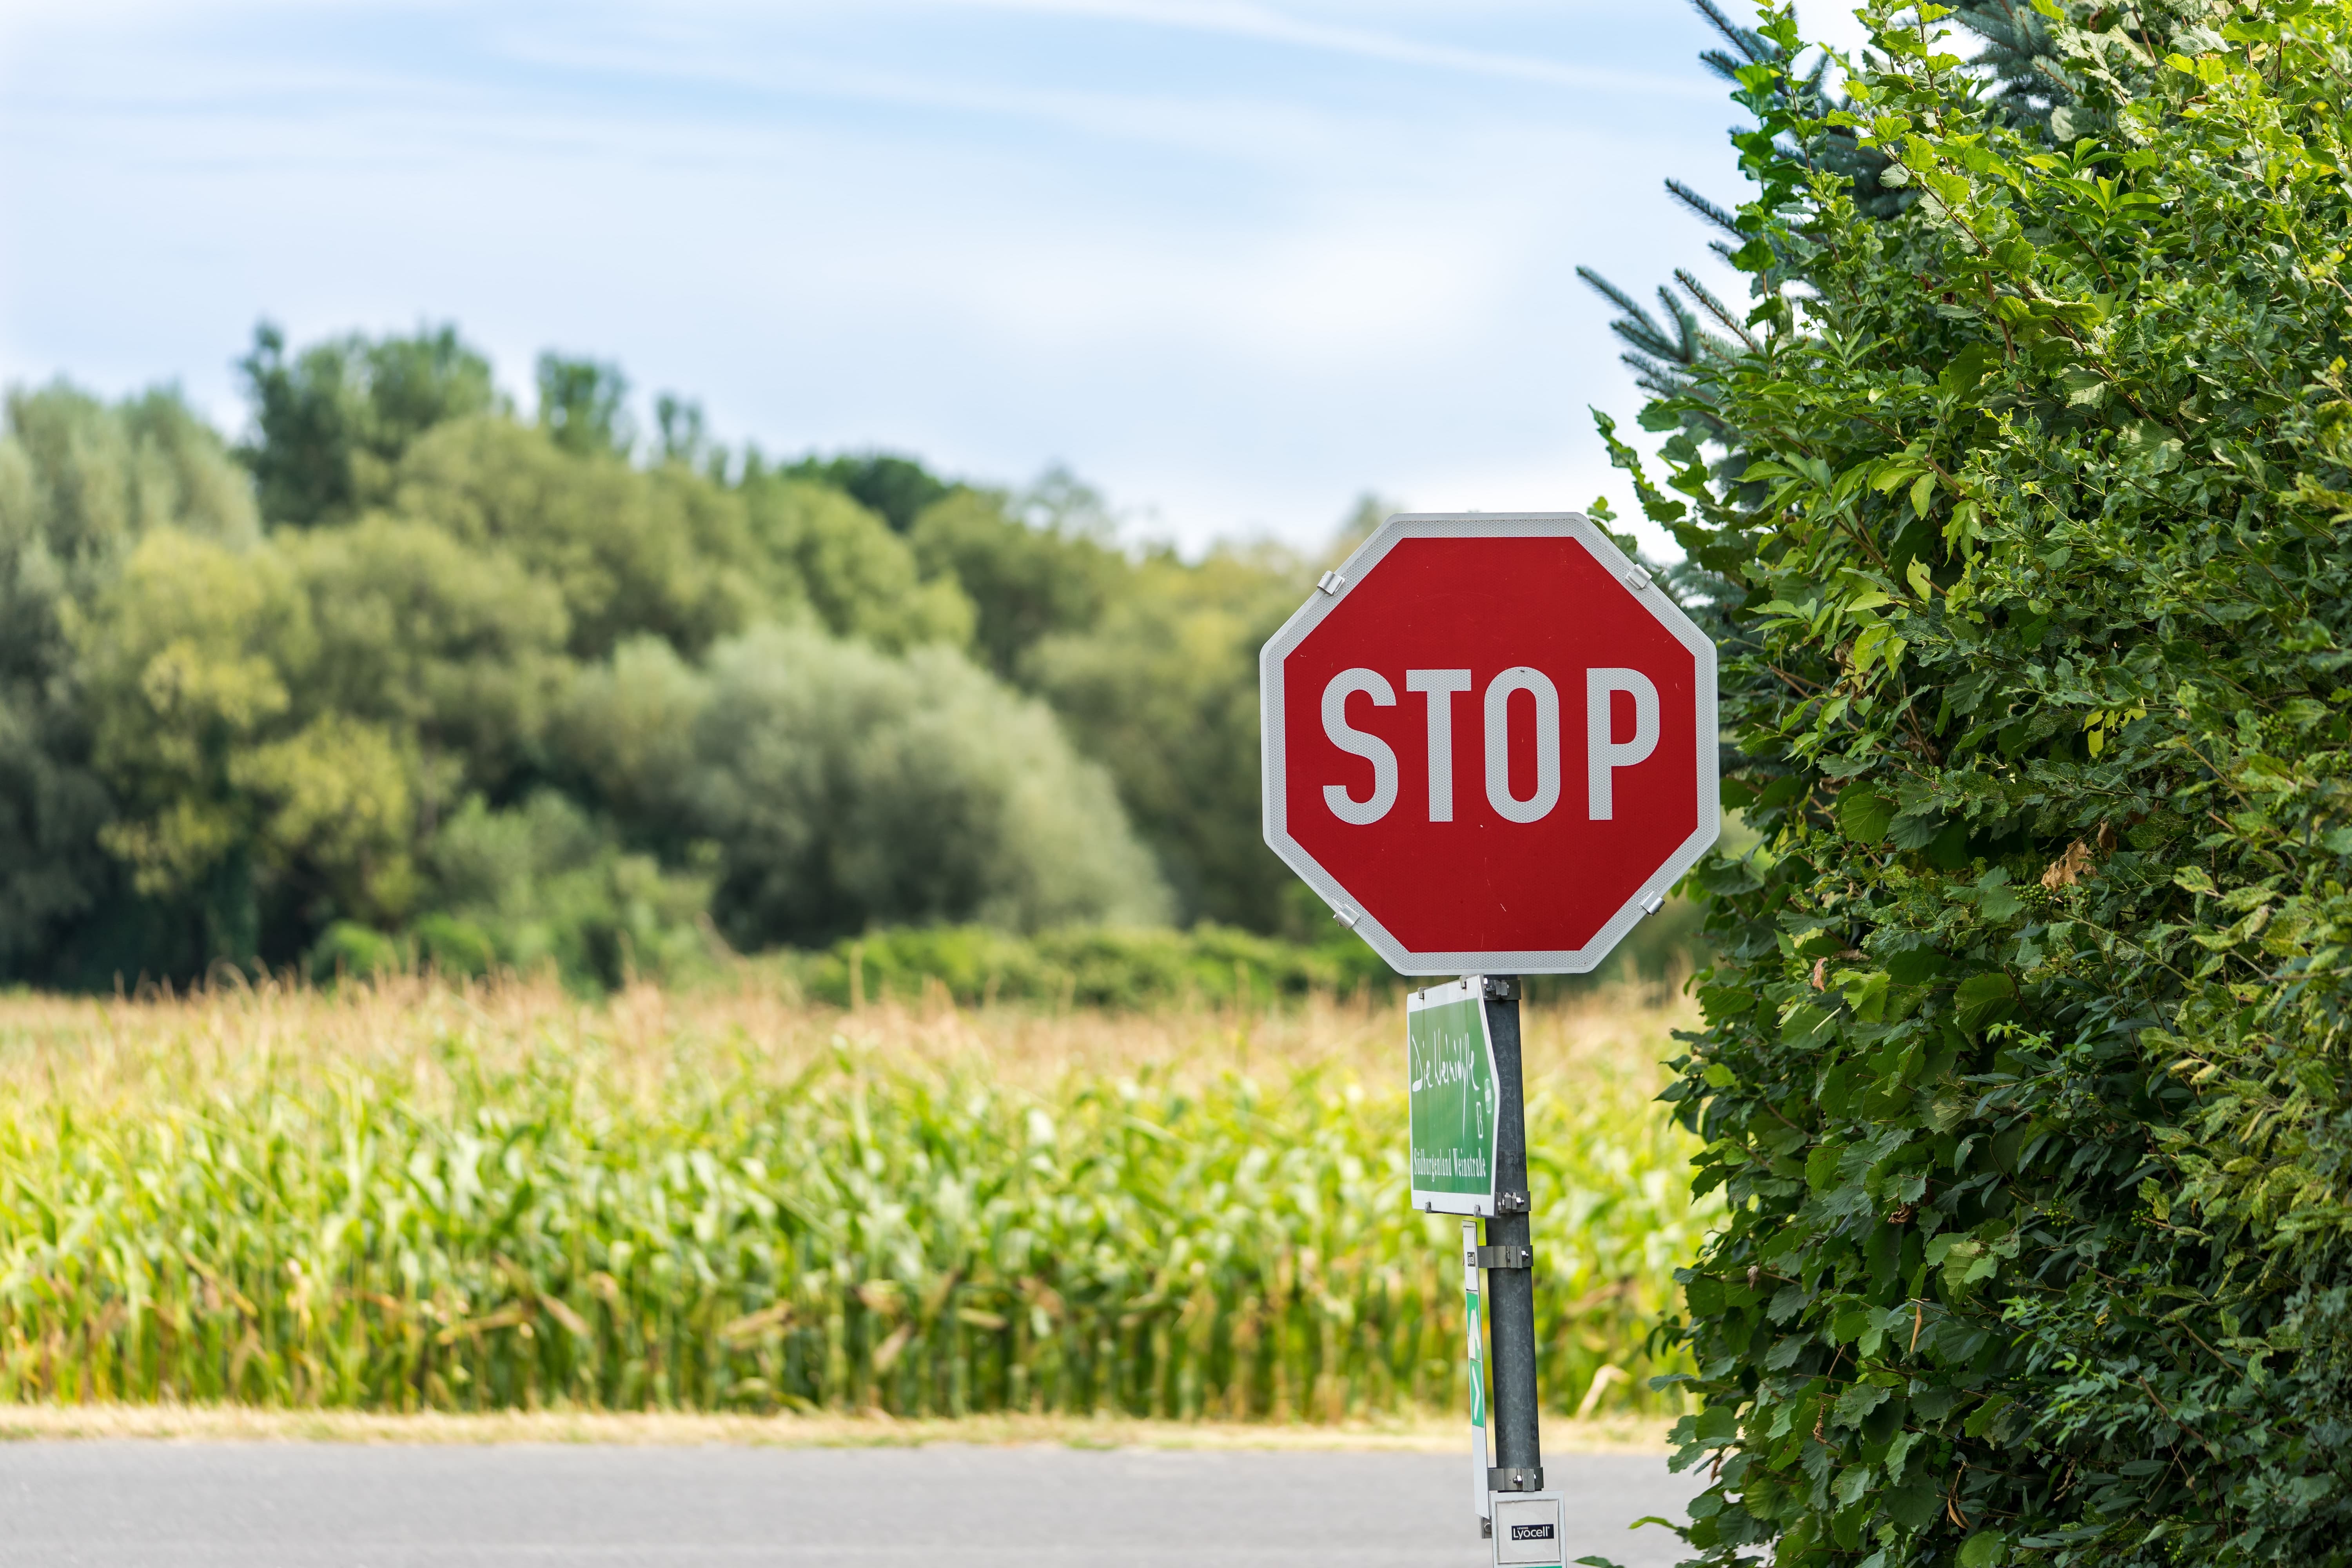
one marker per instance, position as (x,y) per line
(1455,1102)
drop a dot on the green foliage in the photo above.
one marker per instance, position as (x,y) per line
(1027,583)
(841,787)
(896,489)
(1162,691)
(460,648)
(624,739)
(336,814)
(1663,349)
(2023,1071)
(861,579)
(185,657)
(216,744)
(629,551)
(332,422)
(583,405)
(670,552)
(680,437)
(350,950)
(81,484)
(1130,968)
(456,948)
(543,883)
(513,1208)
(86,481)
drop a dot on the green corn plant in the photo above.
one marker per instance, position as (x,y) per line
(470,1204)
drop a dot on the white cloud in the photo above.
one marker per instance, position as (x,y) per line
(1266,24)
(1239,292)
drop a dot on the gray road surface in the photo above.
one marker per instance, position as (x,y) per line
(277,1505)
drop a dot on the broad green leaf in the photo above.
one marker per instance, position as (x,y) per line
(1915,965)
(1995,899)
(1915,1505)
(1985,1549)
(1866,993)
(1981,999)
(1923,493)
(1864,812)
(1719,1427)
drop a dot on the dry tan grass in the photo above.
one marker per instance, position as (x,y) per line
(182,1422)
(96,1052)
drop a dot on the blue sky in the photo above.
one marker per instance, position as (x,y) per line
(1234,262)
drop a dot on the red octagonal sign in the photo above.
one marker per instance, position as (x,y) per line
(1489,743)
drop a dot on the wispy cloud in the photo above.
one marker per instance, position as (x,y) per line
(1241,258)
(1236,18)
(1257,130)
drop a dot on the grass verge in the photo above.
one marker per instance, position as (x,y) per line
(217,1423)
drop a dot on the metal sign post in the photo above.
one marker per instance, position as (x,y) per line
(1509,1260)
(1468,1128)
(1528,1525)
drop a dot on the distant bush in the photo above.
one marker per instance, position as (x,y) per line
(350,950)
(454,947)
(1132,968)
(545,883)
(601,925)
(1096,966)
(841,787)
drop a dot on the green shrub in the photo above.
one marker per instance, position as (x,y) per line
(454,947)
(544,883)
(350,950)
(1087,967)
(2024,1069)
(841,787)
(81,484)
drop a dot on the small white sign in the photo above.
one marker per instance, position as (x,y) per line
(1531,1530)
(1474,1319)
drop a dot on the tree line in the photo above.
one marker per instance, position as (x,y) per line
(408,663)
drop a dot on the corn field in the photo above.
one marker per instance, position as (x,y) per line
(408,1197)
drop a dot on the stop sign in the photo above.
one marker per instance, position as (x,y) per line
(1489,743)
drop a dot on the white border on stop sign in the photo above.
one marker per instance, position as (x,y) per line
(1652,894)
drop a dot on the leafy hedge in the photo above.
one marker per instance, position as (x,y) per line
(2025,1064)
(608,941)
(1084,966)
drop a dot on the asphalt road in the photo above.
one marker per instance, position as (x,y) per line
(277,1505)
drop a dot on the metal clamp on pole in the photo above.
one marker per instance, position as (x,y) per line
(1514,1478)
(1511,1203)
(1506,1257)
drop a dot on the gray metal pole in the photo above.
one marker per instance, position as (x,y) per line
(1511,1292)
